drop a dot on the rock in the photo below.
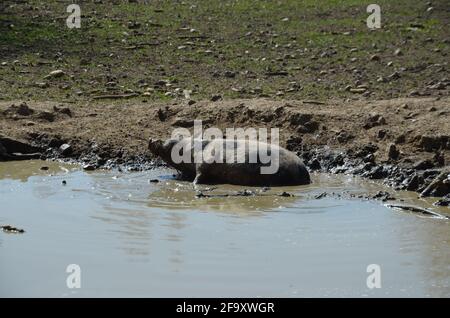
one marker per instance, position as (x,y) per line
(440,186)
(383,196)
(187,93)
(216,98)
(191,102)
(89,167)
(375,57)
(293,143)
(65,149)
(285,194)
(344,136)
(439,159)
(394,76)
(245,193)
(42,84)
(374,120)
(229,74)
(412,183)
(321,196)
(398,52)
(393,152)
(358,90)
(44,168)
(376,172)
(423,165)
(55,74)
(308,127)
(445,201)
(315,164)
(133,25)
(381,134)
(64,182)
(438,85)
(154,181)
(162,115)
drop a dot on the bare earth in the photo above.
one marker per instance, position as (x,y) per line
(374,139)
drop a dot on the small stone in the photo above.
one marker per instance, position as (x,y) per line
(423,165)
(394,76)
(358,90)
(44,168)
(42,84)
(381,134)
(230,74)
(315,164)
(393,152)
(89,167)
(398,52)
(154,180)
(65,149)
(375,57)
(216,98)
(55,74)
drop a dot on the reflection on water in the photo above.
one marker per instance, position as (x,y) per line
(19,170)
(136,238)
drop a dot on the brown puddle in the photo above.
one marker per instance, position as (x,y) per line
(132,237)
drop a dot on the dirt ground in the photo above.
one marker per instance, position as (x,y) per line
(347,99)
(404,141)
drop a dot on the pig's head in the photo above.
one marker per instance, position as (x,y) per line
(163,149)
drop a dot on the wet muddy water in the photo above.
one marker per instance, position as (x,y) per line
(131,237)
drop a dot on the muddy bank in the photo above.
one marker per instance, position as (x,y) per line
(404,142)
